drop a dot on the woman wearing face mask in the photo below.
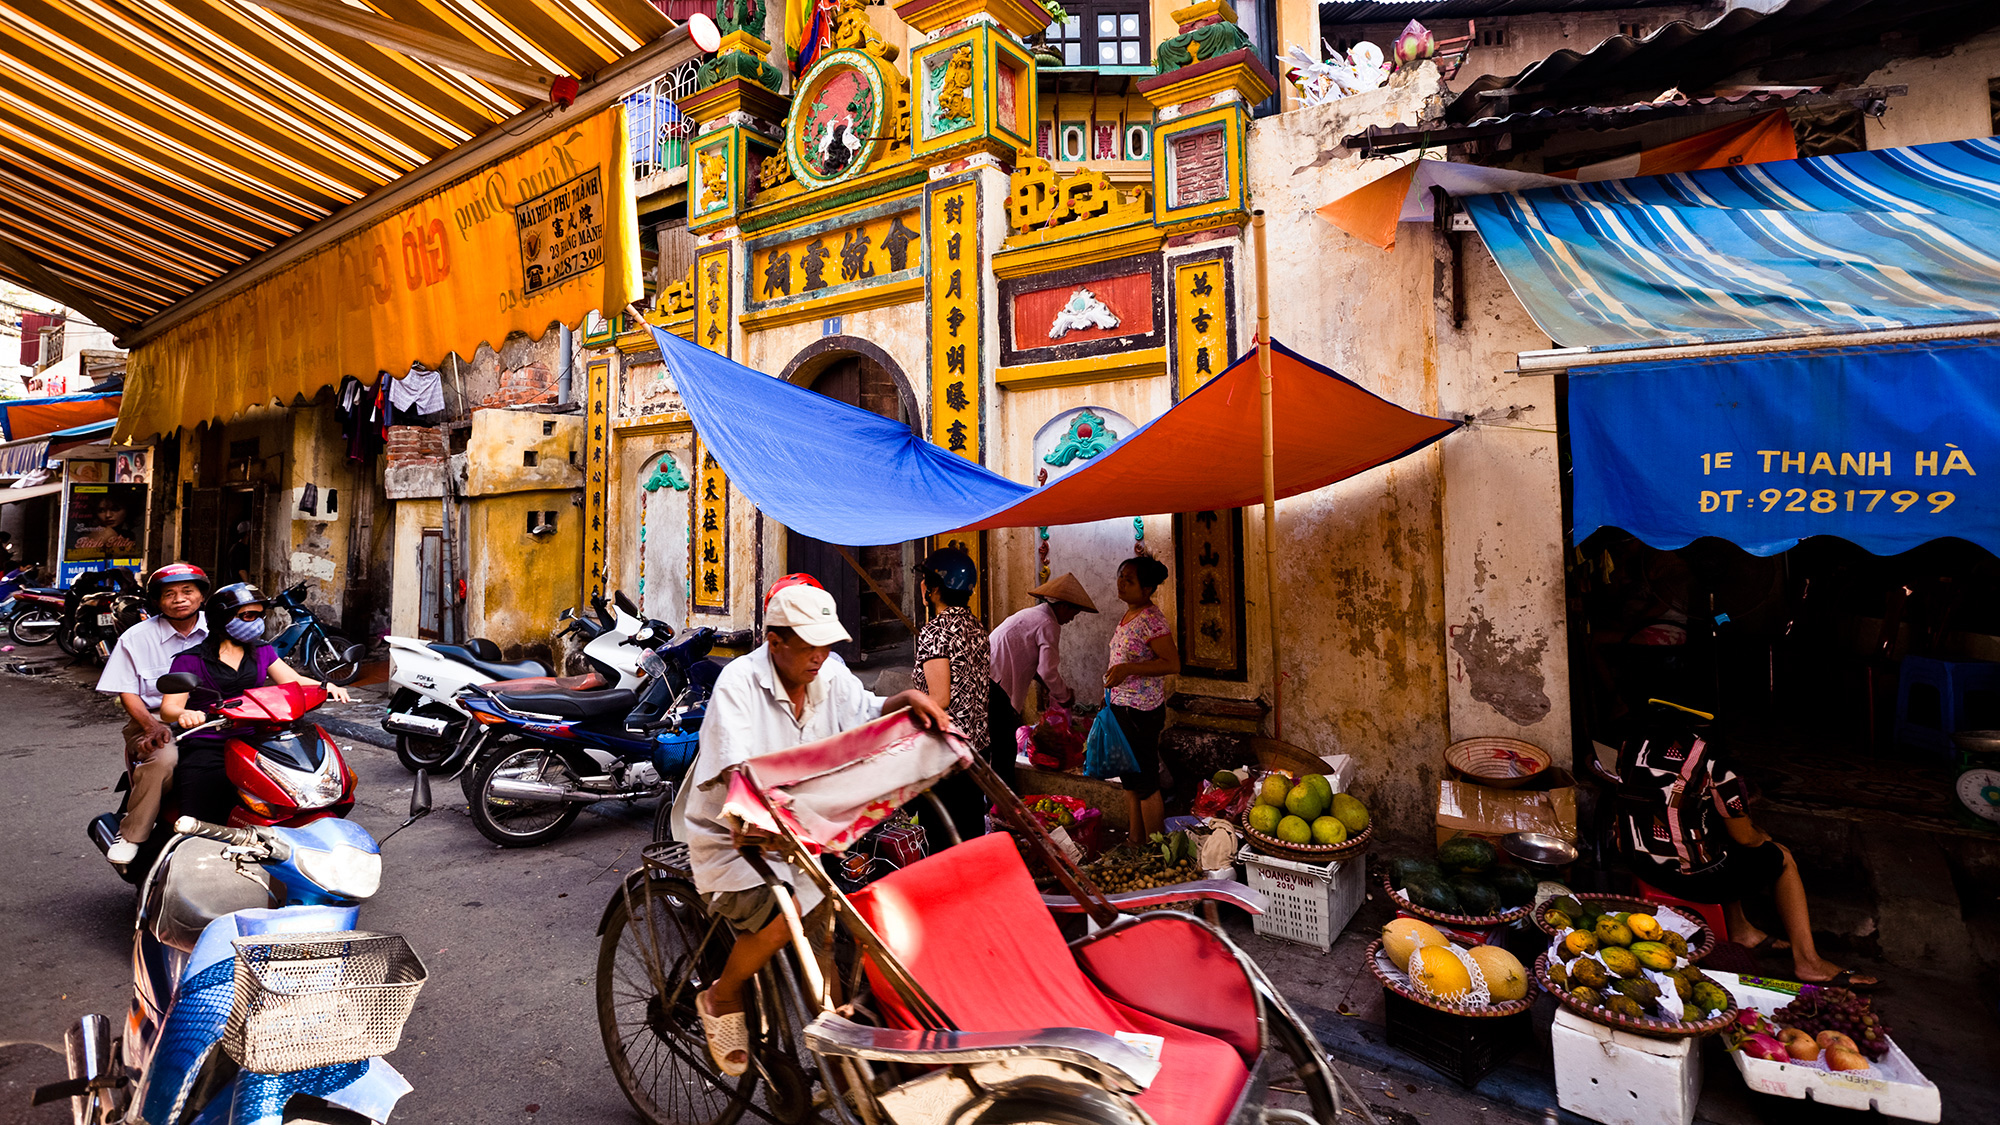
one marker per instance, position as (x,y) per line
(234,659)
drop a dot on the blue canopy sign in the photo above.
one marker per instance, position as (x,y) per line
(1887,447)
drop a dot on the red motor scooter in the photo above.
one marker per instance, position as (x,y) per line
(287,771)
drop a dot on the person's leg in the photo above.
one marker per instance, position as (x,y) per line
(1002,721)
(1790,893)
(1143,803)
(1740,930)
(148,781)
(751,952)
(1153,811)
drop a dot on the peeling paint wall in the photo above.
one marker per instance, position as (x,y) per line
(518,582)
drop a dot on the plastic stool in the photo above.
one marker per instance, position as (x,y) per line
(1711,913)
(1940,689)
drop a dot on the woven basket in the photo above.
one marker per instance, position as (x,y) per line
(1463,920)
(1305,853)
(1397,981)
(1498,763)
(1699,946)
(1657,1028)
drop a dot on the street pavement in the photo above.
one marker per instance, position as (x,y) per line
(506,1028)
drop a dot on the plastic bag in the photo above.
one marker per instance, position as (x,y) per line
(1053,743)
(1106,753)
(1216,800)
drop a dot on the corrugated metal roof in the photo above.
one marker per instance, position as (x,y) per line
(1805,42)
(148,147)
(1390,11)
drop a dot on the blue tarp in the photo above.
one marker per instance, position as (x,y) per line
(1887,447)
(1862,241)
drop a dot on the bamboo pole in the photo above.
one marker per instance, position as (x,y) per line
(1270,471)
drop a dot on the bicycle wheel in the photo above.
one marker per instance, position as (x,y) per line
(660,948)
(34,626)
(519,822)
(326,662)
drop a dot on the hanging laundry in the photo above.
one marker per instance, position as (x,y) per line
(309,499)
(420,391)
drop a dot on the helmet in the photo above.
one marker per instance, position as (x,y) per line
(170,574)
(223,604)
(952,569)
(795,579)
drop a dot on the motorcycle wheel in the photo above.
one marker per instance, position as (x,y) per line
(69,638)
(34,626)
(659,949)
(419,753)
(514,823)
(325,660)
(663,817)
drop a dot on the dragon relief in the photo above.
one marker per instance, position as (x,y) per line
(714,179)
(953,85)
(852,32)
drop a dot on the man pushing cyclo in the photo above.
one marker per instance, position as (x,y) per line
(789,691)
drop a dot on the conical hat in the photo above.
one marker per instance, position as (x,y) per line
(1065,588)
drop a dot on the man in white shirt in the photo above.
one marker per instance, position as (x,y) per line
(1028,647)
(145,652)
(789,691)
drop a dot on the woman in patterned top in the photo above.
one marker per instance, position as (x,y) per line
(1143,655)
(954,668)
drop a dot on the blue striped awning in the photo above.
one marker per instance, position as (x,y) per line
(1865,241)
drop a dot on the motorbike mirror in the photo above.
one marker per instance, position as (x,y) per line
(353,654)
(420,795)
(619,599)
(176,683)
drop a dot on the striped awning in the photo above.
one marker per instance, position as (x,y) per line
(1866,241)
(150,147)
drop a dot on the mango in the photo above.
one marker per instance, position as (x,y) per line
(1711,997)
(1644,991)
(1620,962)
(1558,974)
(1587,996)
(1506,980)
(1558,921)
(1405,936)
(1653,955)
(1438,971)
(1675,942)
(1351,812)
(1644,927)
(1587,973)
(1611,931)
(1627,1007)
(1567,904)
(1578,942)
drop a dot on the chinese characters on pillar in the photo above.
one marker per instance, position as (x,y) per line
(1204,294)
(710,565)
(597,473)
(1209,566)
(956,359)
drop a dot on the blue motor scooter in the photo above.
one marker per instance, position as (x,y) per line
(543,755)
(255,999)
(305,644)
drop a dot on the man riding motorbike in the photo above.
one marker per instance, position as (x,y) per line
(145,652)
(234,657)
(789,691)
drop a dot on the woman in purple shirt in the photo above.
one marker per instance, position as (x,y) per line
(234,659)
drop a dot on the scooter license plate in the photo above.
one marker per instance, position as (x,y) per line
(107,620)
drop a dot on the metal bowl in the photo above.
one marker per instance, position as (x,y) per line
(1539,849)
(1977,741)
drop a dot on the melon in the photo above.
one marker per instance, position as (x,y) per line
(1506,980)
(1438,971)
(1405,936)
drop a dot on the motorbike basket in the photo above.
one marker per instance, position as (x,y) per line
(310,1000)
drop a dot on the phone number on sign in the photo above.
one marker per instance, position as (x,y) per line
(1823,500)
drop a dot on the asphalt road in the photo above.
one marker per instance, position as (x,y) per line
(506,1029)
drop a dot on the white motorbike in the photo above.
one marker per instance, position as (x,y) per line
(425,714)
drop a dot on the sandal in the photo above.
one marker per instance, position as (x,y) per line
(1847,979)
(726,1035)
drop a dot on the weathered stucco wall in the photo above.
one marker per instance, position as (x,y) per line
(520,582)
(1948,99)
(406,593)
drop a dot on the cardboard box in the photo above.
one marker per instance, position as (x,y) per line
(1477,810)
(1623,1079)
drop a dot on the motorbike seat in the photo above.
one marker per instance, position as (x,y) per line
(589,681)
(571,704)
(499,670)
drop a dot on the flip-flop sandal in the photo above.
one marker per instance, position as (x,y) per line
(726,1035)
(1847,979)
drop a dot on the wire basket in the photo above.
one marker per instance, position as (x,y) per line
(311,1000)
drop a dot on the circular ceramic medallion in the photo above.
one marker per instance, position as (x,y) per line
(840,120)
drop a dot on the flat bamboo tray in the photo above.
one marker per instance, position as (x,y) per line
(1305,853)
(1404,904)
(1700,946)
(1657,1028)
(1397,981)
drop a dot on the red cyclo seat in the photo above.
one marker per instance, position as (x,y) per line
(970,927)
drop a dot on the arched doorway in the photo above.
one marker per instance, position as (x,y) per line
(859,374)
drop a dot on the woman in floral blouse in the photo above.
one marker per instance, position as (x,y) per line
(1143,655)
(954,668)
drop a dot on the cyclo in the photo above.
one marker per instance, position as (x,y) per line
(959,1000)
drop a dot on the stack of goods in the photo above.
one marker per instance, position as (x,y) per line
(1631,970)
(1825,1027)
(1303,818)
(1464,884)
(1416,961)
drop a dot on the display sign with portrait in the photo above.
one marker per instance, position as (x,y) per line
(106,521)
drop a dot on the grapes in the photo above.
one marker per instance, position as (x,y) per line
(1837,1009)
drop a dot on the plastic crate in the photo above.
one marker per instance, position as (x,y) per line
(1309,903)
(1462,1048)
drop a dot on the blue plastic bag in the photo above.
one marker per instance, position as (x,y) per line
(1106,753)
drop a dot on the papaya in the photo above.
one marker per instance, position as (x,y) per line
(1467,853)
(1653,955)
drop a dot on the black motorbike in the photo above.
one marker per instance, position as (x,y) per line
(97,608)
